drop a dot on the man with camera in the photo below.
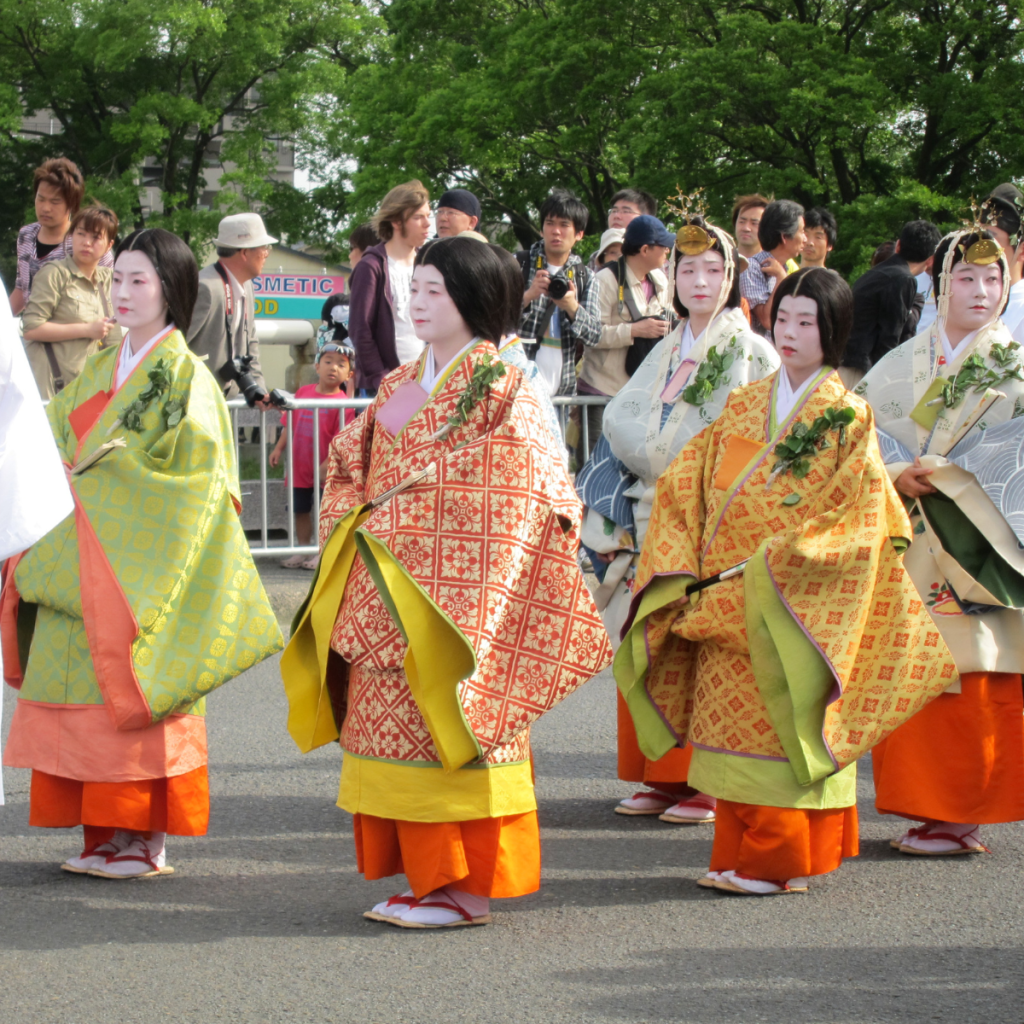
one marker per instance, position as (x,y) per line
(554,314)
(223,323)
(629,299)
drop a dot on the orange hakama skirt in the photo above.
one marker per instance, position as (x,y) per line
(960,758)
(491,857)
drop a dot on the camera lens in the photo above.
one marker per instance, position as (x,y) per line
(558,288)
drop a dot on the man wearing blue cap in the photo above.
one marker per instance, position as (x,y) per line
(630,299)
(457,211)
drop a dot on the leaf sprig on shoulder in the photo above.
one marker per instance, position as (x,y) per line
(794,454)
(712,373)
(485,373)
(160,380)
(975,375)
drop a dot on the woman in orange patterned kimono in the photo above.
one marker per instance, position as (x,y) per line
(774,627)
(448,612)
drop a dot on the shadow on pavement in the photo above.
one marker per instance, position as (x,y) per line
(808,986)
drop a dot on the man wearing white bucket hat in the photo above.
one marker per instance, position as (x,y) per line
(223,325)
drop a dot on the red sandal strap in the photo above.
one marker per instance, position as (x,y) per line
(700,800)
(442,906)
(952,837)
(123,858)
(780,882)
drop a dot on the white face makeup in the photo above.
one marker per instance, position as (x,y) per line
(137,293)
(974,295)
(699,282)
(435,317)
(797,337)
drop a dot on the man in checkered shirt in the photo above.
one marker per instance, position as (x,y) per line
(551,328)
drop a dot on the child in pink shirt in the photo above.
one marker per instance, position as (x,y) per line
(334,366)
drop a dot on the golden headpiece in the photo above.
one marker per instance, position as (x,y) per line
(982,252)
(985,251)
(691,239)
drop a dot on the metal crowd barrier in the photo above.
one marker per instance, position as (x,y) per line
(257,490)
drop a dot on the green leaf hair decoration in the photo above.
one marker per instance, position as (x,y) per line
(976,376)
(485,373)
(159,382)
(711,374)
(794,454)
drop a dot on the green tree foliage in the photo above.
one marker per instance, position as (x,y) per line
(881,109)
(190,84)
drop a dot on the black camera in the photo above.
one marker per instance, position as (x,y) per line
(558,288)
(239,370)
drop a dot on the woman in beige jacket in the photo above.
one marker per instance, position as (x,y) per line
(69,316)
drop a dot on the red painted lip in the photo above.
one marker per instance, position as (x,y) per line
(122,309)
(787,350)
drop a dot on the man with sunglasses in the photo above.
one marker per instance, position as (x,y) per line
(223,321)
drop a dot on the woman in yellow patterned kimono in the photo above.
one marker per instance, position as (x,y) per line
(448,612)
(774,627)
(123,617)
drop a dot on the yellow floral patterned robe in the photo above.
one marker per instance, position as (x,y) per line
(448,619)
(782,676)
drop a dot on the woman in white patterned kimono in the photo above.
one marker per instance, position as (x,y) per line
(948,405)
(679,389)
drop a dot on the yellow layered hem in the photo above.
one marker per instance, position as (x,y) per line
(407,792)
(755,780)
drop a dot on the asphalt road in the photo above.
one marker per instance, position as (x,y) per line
(261,922)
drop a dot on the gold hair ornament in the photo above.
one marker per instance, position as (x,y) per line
(691,238)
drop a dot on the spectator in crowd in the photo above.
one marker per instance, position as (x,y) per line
(551,327)
(359,241)
(69,315)
(457,211)
(746,219)
(629,298)
(379,323)
(626,204)
(223,321)
(883,252)
(782,237)
(333,370)
(610,248)
(629,203)
(59,189)
(886,301)
(1003,211)
(822,231)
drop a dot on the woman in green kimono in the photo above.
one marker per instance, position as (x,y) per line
(123,617)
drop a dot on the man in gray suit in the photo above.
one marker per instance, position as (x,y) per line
(223,325)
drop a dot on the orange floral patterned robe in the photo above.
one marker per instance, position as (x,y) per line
(463,614)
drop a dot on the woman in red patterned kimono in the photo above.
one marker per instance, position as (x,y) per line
(448,612)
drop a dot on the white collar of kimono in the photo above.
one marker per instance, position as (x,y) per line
(432,375)
(129,360)
(786,396)
(952,351)
(686,342)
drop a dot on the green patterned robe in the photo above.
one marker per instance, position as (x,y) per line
(164,512)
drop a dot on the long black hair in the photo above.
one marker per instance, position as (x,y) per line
(834,300)
(476,281)
(175,266)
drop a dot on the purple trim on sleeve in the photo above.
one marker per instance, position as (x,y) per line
(736,753)
(634,604)
(837,690)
